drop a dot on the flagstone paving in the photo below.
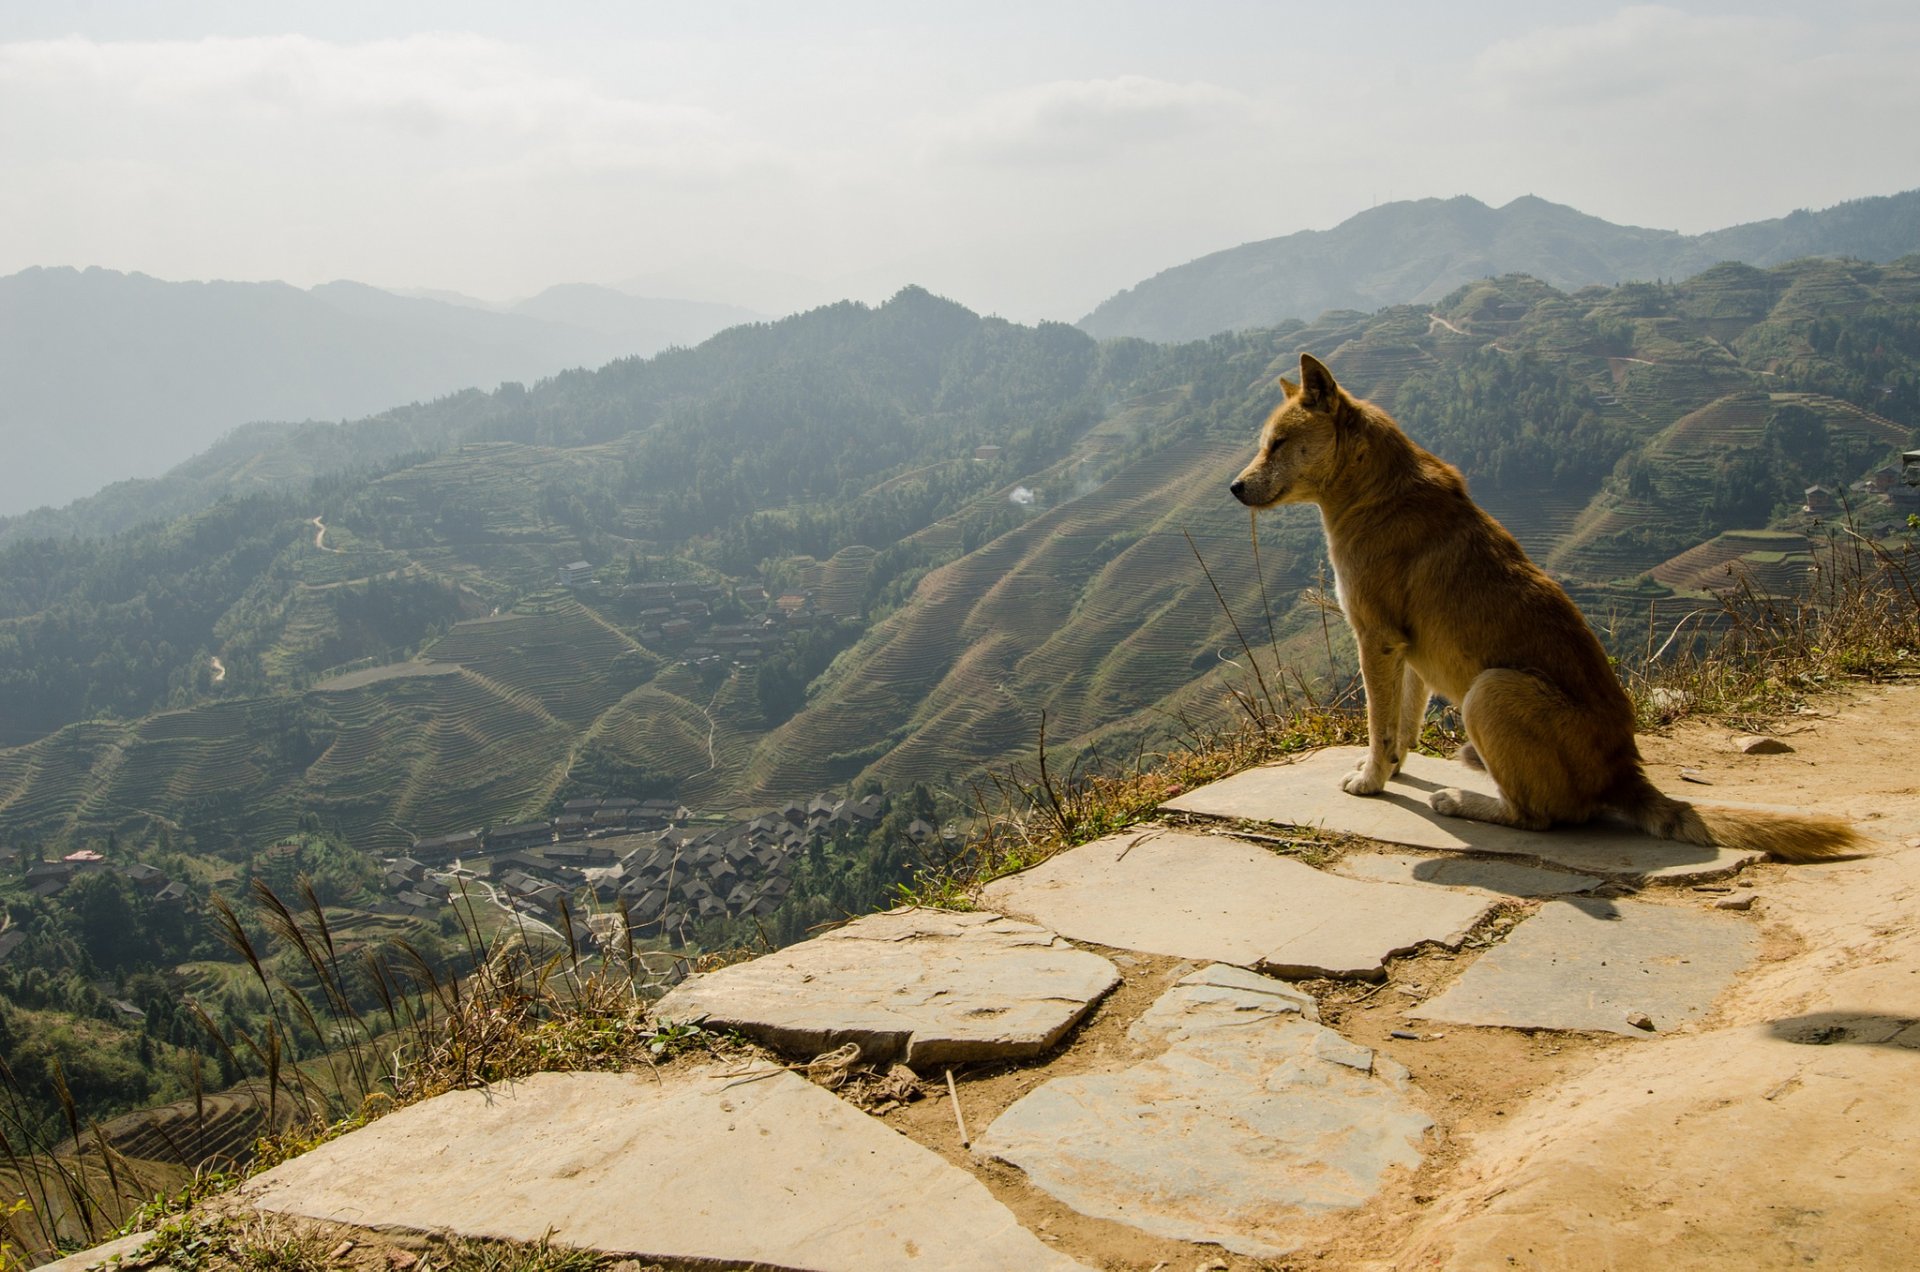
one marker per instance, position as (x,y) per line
(1307,793)
(1210,897)
(1251,1119)
(1506,878)
(1585,963)
(923,986)
(689,1167)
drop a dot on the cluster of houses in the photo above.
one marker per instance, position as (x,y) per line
(1888,481)
(664,874)
(51,878)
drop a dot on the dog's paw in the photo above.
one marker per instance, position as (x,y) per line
(1449,802)
(1365,780)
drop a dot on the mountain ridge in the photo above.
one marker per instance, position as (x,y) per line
(114,376)
(1415,251)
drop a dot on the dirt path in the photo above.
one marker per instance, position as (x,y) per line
(1782,1132)
(1434,318)
(320,535)
(219,669)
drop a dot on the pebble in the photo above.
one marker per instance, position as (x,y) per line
(1744,901)
(1640,1020)
(1404,1033)
(1694,775)
(1761,744)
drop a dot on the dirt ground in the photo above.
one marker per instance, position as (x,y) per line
(1782,1131)
(1779,1132)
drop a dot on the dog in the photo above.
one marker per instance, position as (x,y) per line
(1442,598)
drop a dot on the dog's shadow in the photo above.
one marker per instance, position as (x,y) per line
(1520,863)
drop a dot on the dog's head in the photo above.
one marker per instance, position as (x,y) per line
(1298,455)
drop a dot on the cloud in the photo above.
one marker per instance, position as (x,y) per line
(1654,53)
(462,94)
(1086,120)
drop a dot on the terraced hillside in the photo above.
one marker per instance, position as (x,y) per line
(1774,563)
(1667,430)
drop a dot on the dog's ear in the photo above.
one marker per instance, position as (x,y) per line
(1291,389)
(1318,390)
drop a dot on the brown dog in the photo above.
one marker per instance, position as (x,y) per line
(1441,597)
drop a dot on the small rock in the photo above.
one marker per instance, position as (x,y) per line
(1694,775)
(1671,699)
(400,1260)
(1743,901)
(1640,1020)
(1405,1033)
(1761,744)
(1743,883)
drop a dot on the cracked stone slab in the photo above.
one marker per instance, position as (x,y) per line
(1225,900)
(683,1169)
(922,986)
(1588,964)
(1252,1120)
(1504,878)
(1307,793)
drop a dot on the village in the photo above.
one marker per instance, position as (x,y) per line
(643,858)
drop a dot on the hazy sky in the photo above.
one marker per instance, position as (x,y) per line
(1025,159)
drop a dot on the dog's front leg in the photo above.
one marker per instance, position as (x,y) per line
(1382,671)
(1413,714)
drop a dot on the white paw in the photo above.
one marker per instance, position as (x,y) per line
(1450,802)
(1365,780)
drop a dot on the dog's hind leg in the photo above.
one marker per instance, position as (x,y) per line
(1522,729)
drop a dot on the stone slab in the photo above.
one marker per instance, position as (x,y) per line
(1307,793)
(1225,900)
(1588,964)
(113,1254)
(1503,878)
(1252,1121)
(921,986)
(689,1167)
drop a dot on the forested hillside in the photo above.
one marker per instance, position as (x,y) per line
(858,552)
(836,456)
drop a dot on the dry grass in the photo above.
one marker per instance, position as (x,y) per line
(1749,658)
(516,1011)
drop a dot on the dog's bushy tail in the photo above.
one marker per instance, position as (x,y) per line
(1785,836)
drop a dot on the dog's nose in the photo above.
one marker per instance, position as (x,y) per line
(1239,488)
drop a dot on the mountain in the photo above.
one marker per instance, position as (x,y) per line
(990,524)
(110,376)
(1416,252)
(639,325)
